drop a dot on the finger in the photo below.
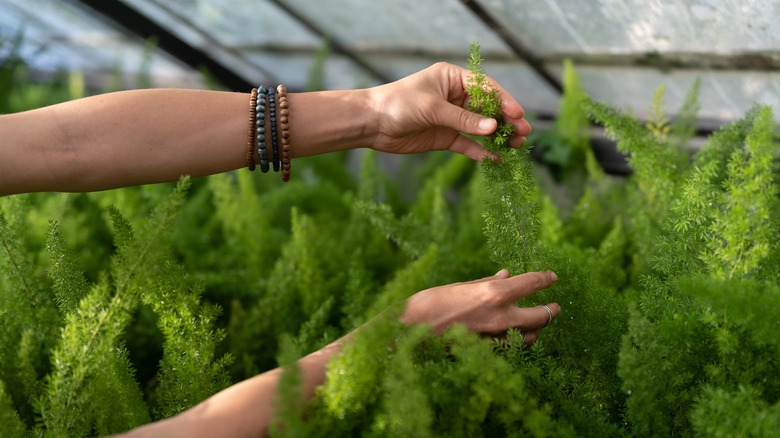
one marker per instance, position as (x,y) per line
(517,142)
(511,108)
(534,318)
(500,275)
(503,273)
(529,337)
(468,147)
(523,285)
(463,120)
(522,127)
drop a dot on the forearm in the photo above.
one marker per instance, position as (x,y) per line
(245,409)
(149,136)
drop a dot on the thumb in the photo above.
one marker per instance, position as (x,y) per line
(466,121)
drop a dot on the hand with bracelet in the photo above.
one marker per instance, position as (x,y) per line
(149,136)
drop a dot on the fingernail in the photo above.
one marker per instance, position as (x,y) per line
(554,276)
(486,124)
(501,271)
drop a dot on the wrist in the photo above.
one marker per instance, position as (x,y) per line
(331,121)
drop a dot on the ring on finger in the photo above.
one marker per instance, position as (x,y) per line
(549,314)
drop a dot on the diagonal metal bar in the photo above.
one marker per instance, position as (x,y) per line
(335,46)
(143,26)
(514,43)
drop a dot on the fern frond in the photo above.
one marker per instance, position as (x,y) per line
(511,211)
(656,166)
(11,425)
(85,351)
(739,412)
(406,232)
(744,230)
(685,122)
(69,284)
(289,416)
(406,409)
(658,121)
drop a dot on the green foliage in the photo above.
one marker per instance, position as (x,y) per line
(565,148)
(658,120)
(743,231)
(28,313)
(69,286)
(483,98)
(290,411)
(688,353)
(10,424)
(92,378)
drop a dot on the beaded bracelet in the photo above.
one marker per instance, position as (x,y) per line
(274,136)
(260,125)
(284,124)
(250,141)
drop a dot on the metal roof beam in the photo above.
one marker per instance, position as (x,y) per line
(668,61)
(143,26)
(334,46)
(514,43)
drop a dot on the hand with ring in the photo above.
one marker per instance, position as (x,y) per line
(486,306)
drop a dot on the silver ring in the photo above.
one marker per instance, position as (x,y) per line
(549,314)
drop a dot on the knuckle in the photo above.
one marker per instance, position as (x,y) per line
(464,119)
(492,294)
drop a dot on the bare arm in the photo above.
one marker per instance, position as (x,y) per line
(245,409)
(147,136)
(485,306)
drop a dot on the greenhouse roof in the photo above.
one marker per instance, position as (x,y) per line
(622,49)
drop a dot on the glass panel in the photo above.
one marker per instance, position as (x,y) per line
(723,95)
(628,26)
(294,70)
(417,25)
(255,39)
(233,23)
(66,35)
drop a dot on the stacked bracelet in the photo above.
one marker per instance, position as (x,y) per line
(260,128)
(274,136)
(250,141)
(284,124)
(256,149)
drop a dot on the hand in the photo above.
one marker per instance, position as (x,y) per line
(424,112)
(486,306)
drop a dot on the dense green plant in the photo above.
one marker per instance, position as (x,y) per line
(143,301)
